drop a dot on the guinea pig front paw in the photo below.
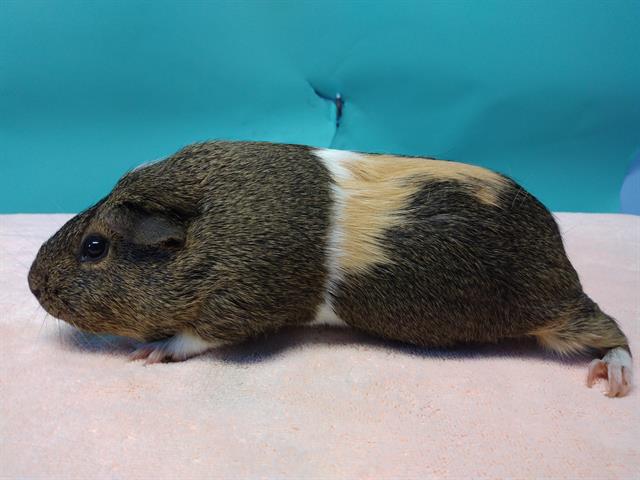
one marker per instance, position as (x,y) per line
(175,349)
(616,367)
(154,352)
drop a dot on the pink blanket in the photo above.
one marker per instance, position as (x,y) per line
(314,403)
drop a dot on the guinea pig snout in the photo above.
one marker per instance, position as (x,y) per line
(37,281)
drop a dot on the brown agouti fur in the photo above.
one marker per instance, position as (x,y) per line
(224,241)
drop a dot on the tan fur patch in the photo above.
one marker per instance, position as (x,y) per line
(374,205)
(550,338)
(570,335)
(378,191)
(488,183)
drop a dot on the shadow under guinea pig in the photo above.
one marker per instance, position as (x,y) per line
(278,343)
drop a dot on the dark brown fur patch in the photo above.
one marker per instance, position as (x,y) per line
(255,217)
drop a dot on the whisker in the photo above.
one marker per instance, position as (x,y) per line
(77,339)
(31,313)
(24,265)
(86,340)
(44,319)
(60,339)
(109,343)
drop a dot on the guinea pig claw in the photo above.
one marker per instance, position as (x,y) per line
(157,356)
(150,353)
(616,368)
(597,370)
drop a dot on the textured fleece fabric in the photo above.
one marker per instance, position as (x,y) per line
(312,402)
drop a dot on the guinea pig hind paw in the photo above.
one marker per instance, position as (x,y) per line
(616,367)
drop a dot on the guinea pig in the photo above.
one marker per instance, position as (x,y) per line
(224,241)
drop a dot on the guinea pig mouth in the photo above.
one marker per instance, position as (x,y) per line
(58,308)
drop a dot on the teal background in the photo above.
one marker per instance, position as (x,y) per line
(547,92)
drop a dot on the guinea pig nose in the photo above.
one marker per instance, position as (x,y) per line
(34,282)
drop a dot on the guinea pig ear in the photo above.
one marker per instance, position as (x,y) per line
(145,228)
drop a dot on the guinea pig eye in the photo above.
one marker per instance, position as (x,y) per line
(94,247)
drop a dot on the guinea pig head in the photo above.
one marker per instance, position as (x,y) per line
(122,266)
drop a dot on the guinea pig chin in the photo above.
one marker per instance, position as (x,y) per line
(55,306)
(48,294)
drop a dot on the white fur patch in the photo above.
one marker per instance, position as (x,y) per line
(187,344)
(179,347)
(620,356)
(326,316)
(334,161)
